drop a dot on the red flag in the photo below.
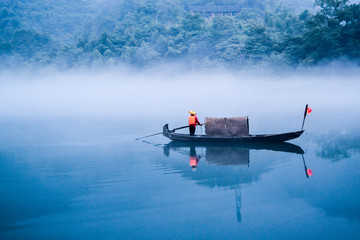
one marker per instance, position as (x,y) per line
(309,110)
(309,172)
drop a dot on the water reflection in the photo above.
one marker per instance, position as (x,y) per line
(338,146)
(308,171)
(194,158)
(228,153)
(227,164)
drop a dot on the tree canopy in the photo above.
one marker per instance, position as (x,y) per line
(142,33)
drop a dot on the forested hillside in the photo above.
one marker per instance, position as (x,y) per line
(142,33)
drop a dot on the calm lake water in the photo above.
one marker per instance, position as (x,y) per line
(87,178)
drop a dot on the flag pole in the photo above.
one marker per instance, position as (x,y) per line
(306,108)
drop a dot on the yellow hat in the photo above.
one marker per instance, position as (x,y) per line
(192,112)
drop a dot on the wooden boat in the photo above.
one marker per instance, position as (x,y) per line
(281,137)
(251,138)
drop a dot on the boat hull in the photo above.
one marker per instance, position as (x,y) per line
(251,138)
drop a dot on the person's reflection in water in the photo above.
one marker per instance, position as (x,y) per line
(194,158)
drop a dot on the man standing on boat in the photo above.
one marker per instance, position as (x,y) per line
(193,121)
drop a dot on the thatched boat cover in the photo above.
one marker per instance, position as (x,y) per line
(227,127)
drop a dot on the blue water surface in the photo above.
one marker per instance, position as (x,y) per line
(89,179)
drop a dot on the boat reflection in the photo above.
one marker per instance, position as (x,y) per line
(219,155)
(227,153)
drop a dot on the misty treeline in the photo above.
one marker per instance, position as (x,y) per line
(146,32)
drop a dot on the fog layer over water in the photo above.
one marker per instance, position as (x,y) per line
(270,101)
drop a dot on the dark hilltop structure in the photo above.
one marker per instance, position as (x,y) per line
(211,11)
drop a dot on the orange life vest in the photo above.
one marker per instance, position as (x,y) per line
(193,161)
(192,120)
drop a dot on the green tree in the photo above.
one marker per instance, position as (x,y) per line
(8,25)
(258,44)
(223,26)
(333,32)
(28,42)
(192,23)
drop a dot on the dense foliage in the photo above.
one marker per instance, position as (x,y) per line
(143,32)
